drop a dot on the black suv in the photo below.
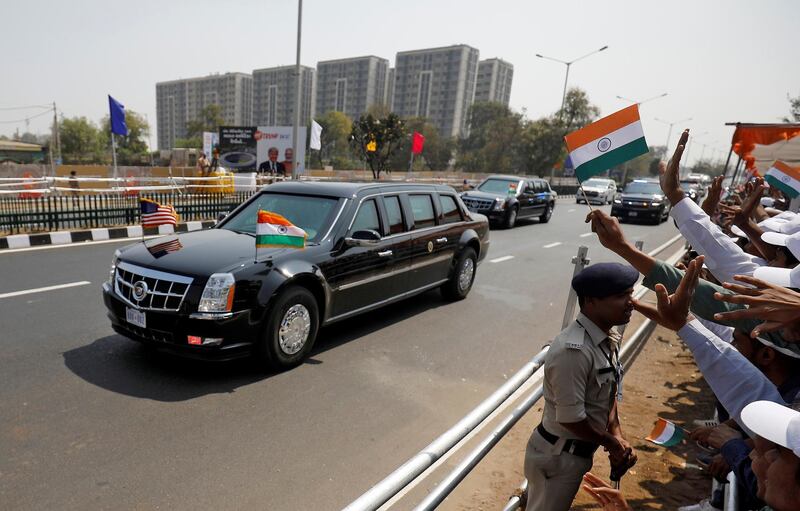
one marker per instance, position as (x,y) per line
(641,200)
(209,294)
(504,199)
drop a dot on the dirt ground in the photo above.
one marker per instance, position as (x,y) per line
(663,381)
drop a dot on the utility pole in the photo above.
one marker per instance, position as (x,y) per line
(56,134)
(298,102)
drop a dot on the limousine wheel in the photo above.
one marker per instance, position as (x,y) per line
(291,328)
(511,218)
(457,288)
(548,213)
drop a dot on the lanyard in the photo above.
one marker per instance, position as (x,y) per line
(618,372)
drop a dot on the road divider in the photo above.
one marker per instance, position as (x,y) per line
(43,289)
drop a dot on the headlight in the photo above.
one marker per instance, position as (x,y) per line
(655,204)
(113,270)
(499,204)
(617,201)
(218,293)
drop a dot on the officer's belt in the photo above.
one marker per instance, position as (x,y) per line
(572,446)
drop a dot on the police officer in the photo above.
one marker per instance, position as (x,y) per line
(582,384)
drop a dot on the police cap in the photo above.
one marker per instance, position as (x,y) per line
(604,279)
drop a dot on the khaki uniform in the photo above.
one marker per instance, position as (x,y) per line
(579,383)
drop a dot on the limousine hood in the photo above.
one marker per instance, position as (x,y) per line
(198,253)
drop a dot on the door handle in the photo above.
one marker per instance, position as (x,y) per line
(441,240)
(385,253)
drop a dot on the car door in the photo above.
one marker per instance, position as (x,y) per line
(362,276)
(431,244)
(541,197)
(527,199)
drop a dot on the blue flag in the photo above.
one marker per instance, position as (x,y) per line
(118,126)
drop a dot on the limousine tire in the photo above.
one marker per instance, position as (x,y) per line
(291,329)
(511,218)
(460,283)
(548,212)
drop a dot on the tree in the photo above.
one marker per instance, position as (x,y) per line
(436,153)
(210,119)
(133,149)
(80,140)
(381,134)
(336,128)
(493,140)
(577,111)
(190,143)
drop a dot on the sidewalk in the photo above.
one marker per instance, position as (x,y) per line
(663,381)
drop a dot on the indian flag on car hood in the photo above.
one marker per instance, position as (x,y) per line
(784,178)
(273,230)
(605,143)
(666,433)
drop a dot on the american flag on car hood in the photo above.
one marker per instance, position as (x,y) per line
(165,247)
(154,214)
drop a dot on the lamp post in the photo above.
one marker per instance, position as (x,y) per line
(568,64)
(689,146)
(671,124)
(623,98)
(298,92)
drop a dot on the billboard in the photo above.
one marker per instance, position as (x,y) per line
(237,148)
(274,149)
(210,139)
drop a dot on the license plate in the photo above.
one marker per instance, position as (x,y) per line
(633,213)
(135,317)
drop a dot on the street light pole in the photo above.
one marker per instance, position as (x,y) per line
(642,102)
(296,124)
(671,124)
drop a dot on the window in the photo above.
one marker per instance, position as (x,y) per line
(422,208)
(450,212)
(367,218)
(540,186)
(395,214)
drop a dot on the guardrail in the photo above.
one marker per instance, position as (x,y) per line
(389,490)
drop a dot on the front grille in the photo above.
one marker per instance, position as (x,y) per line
(591,193)
(635,204)
(475,204)
(162,291)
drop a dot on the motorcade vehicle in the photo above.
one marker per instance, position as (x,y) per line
(642,199)
(693,189)
(597,191)
(505,199)
(211,294)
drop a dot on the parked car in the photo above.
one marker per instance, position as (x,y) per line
(209,294)
(641,200)
(504,199)
(597,190)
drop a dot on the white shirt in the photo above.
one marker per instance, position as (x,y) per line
(733,379)
(724,258)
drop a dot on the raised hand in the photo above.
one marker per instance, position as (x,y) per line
(669,174)
(778,306)
(607,229)
(673,310)
(713,196)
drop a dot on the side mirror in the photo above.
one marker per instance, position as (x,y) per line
(363,238)
(222,216)
(619,189)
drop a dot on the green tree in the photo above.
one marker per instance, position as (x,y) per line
(386,133)
(493,141)
(794,109)
(336,128)
(133,149)
(436,152)
(210,119)
(190,143)
(80,140)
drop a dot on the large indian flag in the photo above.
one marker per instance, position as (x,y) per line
(605,143)
(784,178)
(273,230)
(666,433)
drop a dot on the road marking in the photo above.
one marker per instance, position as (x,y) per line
(586,234)
(571,210)
(43,289)
(501,259)
(551,245)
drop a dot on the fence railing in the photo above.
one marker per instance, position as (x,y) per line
(386,492)
(60,212)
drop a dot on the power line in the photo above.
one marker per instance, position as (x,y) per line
(30,107)
(26,119)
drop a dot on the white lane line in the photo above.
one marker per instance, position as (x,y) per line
(571,210)
(43,289)
(551,245)
(586,234)
(501,259)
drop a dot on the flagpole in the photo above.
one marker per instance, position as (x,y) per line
(114,155)
(298,89)
(580,186)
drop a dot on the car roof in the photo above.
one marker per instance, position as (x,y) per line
(343,189)
(511,177)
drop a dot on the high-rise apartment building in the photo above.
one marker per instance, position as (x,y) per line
(351,85)
(389,95)
(437,83)
(275,92)
(494,81)
(181,101)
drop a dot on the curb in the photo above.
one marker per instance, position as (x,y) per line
(111,233)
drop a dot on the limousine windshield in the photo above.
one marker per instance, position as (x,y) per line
(313,214)
(497,185)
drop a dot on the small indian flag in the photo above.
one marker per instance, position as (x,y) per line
(605,143)
(273,230)
(784,178)
(666,433)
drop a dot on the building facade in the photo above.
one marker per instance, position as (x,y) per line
(494,81)
(351,85)
(437,83)
(275,92)
(180,101)
(389,94)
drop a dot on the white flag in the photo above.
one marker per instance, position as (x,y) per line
(316,132)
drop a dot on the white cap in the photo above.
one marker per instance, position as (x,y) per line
(785,277)
(772,224)
(738,232)
(791,226)
(777,423)
(790,241)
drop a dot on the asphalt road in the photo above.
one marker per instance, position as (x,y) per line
(91,420)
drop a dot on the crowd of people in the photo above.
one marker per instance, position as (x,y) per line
(735,303)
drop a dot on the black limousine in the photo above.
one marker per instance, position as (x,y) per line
(208,294)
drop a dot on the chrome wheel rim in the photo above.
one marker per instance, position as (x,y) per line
(549,211)
(465,278)
(294,329)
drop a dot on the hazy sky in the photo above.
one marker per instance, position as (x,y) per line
(717,60)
